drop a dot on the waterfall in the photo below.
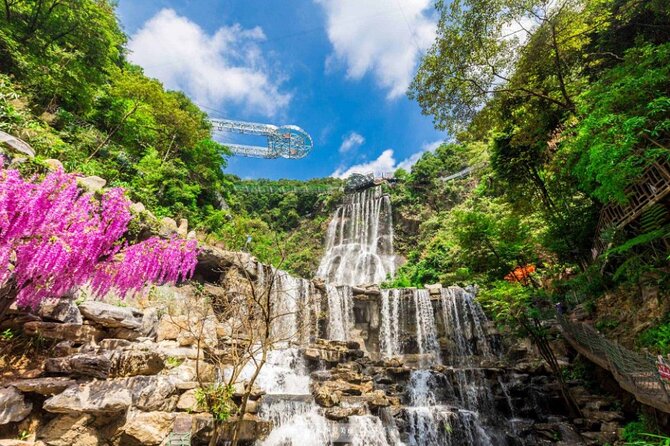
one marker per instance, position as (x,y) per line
(340,312)
(359,241)
(464,321)
(426,333)
(294,305)
(390,327)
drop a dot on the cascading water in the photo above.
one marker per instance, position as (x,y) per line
(359,241)
(447,398)
(340,312)
(390,331)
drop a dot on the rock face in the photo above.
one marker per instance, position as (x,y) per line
(68,332)
(111,316)
(97,398)
(80,364)
(70,430)
(13,406)
(43,386)
(148,428)
(91,184)
(61,310)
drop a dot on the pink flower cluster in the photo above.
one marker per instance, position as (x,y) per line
(54,238)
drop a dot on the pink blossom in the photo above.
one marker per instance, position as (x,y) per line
(54,238)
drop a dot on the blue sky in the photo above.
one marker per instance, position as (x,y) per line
(337,68)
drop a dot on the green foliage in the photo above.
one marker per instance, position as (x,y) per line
(7,335)
(99,114)
(217,400)
(624,123)
(657,338)
(643,432)
(172,362)
(80,41)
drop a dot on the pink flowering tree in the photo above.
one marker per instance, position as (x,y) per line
(55,238)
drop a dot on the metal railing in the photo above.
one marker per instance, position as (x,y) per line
(635,372)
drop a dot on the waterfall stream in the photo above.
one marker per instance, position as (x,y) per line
(359,241)
(441,334)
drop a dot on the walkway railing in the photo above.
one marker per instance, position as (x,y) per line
(637,373)
(651,188)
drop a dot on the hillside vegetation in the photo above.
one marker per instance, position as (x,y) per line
(557,119)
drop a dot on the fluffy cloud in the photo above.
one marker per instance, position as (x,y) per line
(383,37)
(215,70)
(385,163)
(352,140)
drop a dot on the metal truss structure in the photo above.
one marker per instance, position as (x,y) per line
(287,141)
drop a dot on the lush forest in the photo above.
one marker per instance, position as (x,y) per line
(558,108)
(68,89)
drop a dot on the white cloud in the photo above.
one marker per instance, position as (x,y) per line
(351,141)
(385,163)
(384,37)
(215,70)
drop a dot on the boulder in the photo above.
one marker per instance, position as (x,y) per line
(111,316)
(53,164)
(170,326)
(97,398)
(61,310)
(16,144)
(43,386)
(91,184)
(135,362)
(13,406)
(81,364)
(188,402)
(343,413)
(63,332)
(149,322)
(70,430)
(152,393)
(182,230)
(137,208)
(148,428)
(167,227)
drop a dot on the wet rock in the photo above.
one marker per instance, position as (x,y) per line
(68,332)
(61,310)
(148,428)
(70,430)
(97,398)
(91,184)
(111,316)
(13,406)
(43,386)
(343,413)
(81,364)
(251,428)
